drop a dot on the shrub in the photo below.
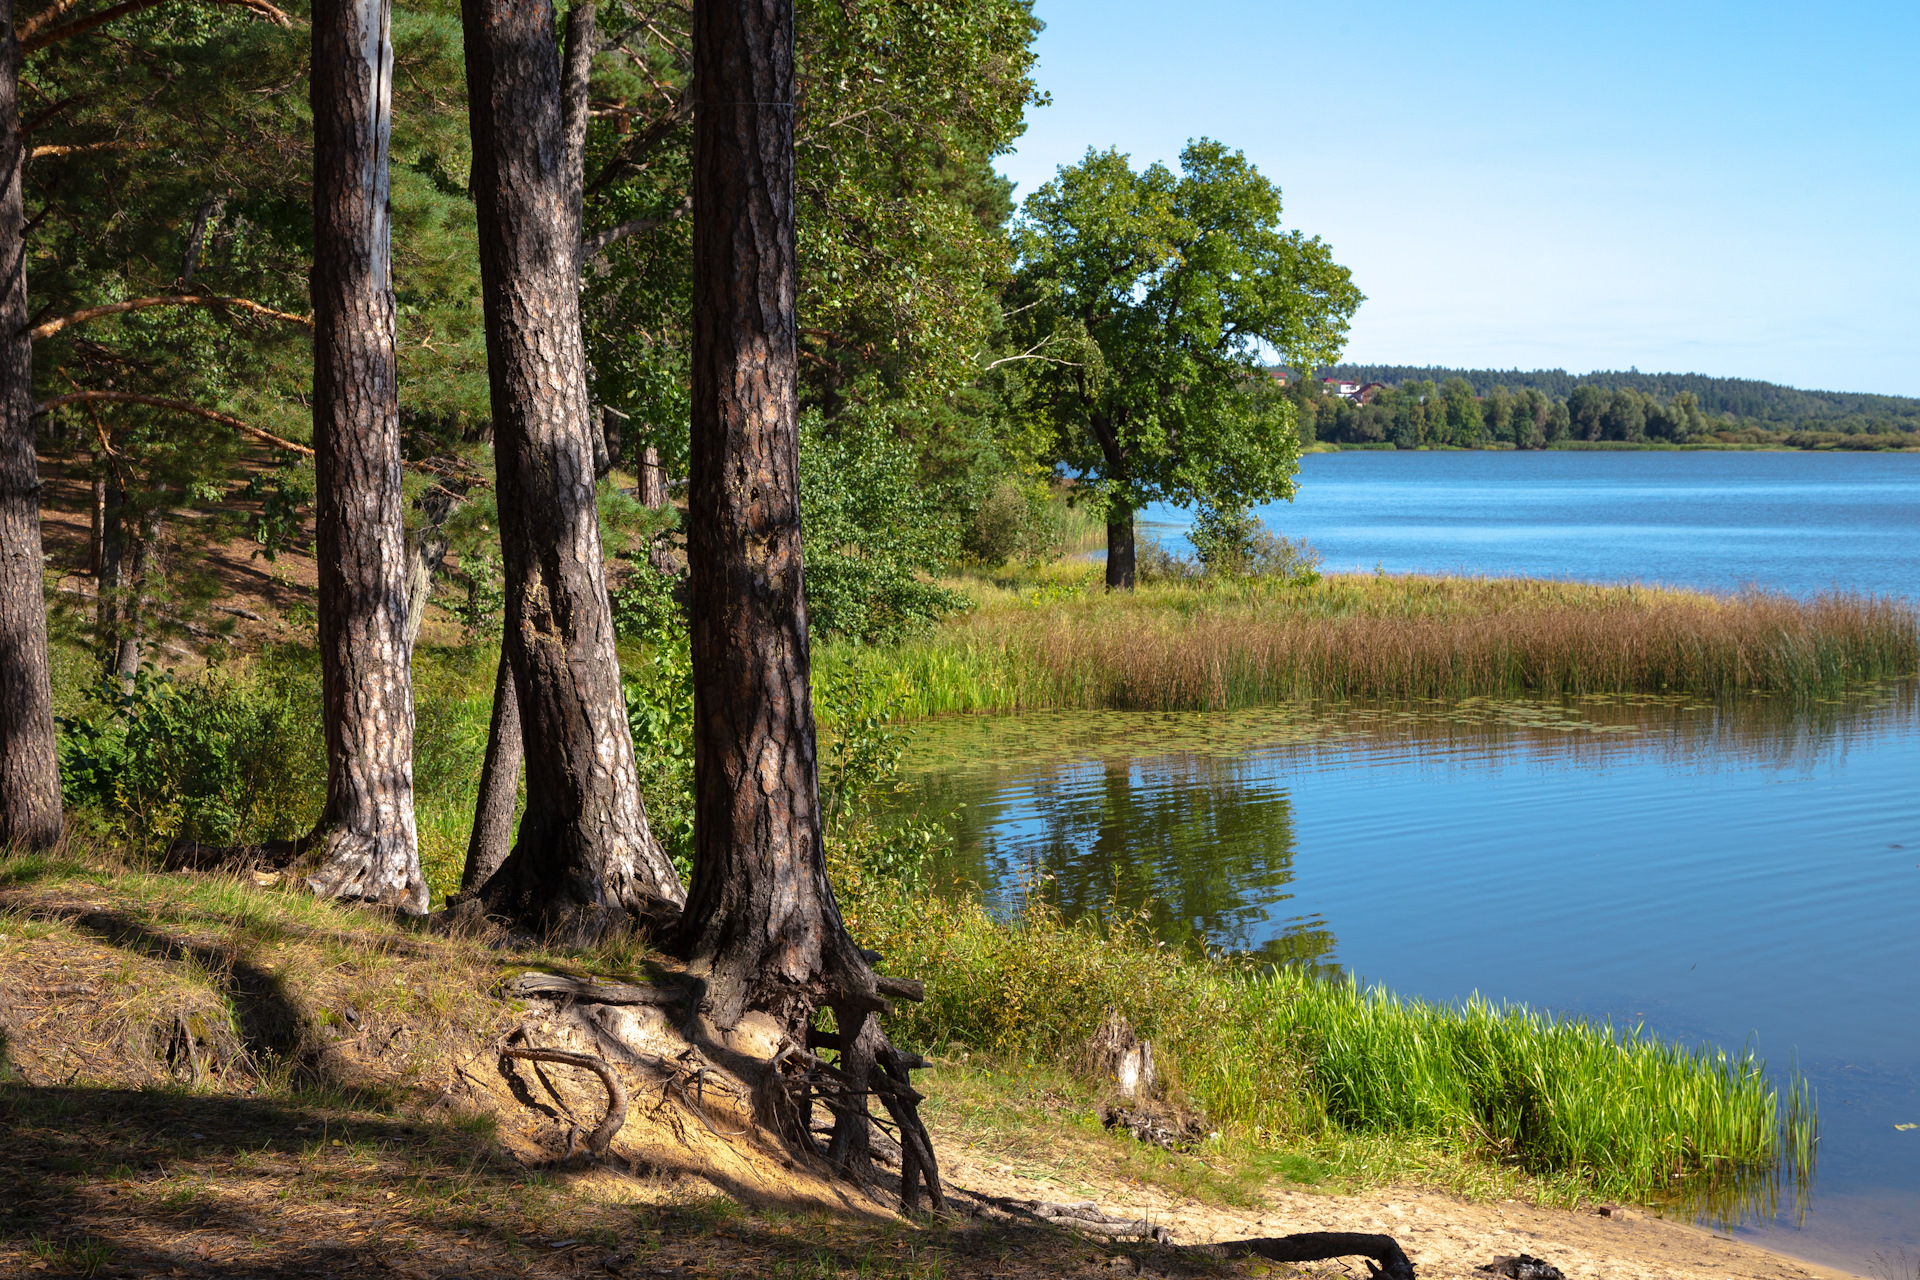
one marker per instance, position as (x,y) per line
(872,532)
(1017,522)
(1232,542)
(215,759)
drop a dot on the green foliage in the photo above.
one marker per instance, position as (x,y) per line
(1232,542)
(1144,304)
(1018,521)
(284,493)
(871,533)
(218,760)
(1278,1055)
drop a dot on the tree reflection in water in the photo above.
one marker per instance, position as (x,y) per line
(1200,845)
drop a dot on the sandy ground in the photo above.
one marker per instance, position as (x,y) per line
(1445,1237)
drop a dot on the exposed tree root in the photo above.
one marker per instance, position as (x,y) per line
(616,1092)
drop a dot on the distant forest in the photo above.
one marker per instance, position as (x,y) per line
(1431,405)
(1744,399)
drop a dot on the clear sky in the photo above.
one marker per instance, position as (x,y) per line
(1729,189)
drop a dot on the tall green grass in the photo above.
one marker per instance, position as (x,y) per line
(1380,637)
(1281,1056)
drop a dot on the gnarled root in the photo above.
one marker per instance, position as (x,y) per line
(616,1092)
(869,1066)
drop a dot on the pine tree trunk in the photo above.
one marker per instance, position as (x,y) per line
(1120,550)
(137,572)
(585,862)
(29,763)
(110,617)
(366,834)
(492,836)
(653,480)
(762,926)
(97,534)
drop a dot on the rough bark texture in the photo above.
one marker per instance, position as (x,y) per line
(1120,548)
(585,861)
(492,836)
(762,926)
(366,833)
(29,767)
(653,480)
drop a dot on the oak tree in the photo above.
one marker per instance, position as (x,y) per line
(1145,303)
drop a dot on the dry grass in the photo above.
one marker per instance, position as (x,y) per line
(316,1127)
(1381,637)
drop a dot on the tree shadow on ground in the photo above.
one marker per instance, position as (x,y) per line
(177,1183)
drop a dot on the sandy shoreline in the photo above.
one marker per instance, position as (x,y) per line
(1445,1237)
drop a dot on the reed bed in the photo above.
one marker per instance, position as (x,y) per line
(1380,637)
(1278,1056)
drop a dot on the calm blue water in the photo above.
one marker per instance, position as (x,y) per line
(1723,875)
(1746,873)
(1797,522)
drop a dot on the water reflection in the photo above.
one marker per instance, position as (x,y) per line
(1118,834)
(1734,873)
(1188,818)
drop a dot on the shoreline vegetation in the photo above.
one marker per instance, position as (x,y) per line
(1051,640)
(1305,1079)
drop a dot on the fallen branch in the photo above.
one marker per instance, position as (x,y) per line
(48,328)
(616,1092)
(1086,1216)
(1385,1259)
(554,986)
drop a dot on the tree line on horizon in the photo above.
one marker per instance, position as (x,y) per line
(1728,405)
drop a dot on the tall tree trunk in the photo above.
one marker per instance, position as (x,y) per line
(762,926)
(1120,555)
(110,608)
(366,834)
(98,532)
(492,836)
(137,572)
(585,862)
(29,763)
(653,480)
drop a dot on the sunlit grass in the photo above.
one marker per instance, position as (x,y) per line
(1063,642)
(1281,1060)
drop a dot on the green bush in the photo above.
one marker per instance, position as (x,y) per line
(1017,522)
(215,759)
(873,535)
(1231,542)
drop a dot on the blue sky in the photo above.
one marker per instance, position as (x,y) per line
(1718,188)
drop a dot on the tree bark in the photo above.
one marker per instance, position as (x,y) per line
(762,927)
(653,480)
(30,812)
(492,836)
(366,835)
(585,862)
(1120,549)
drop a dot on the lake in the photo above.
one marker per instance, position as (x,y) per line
(1734,873)
(1795,522)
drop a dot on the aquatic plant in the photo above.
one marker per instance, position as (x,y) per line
(1280,1056)
(1384,637)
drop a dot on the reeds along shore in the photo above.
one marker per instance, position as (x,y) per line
(1382,637)
(1274,1056)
